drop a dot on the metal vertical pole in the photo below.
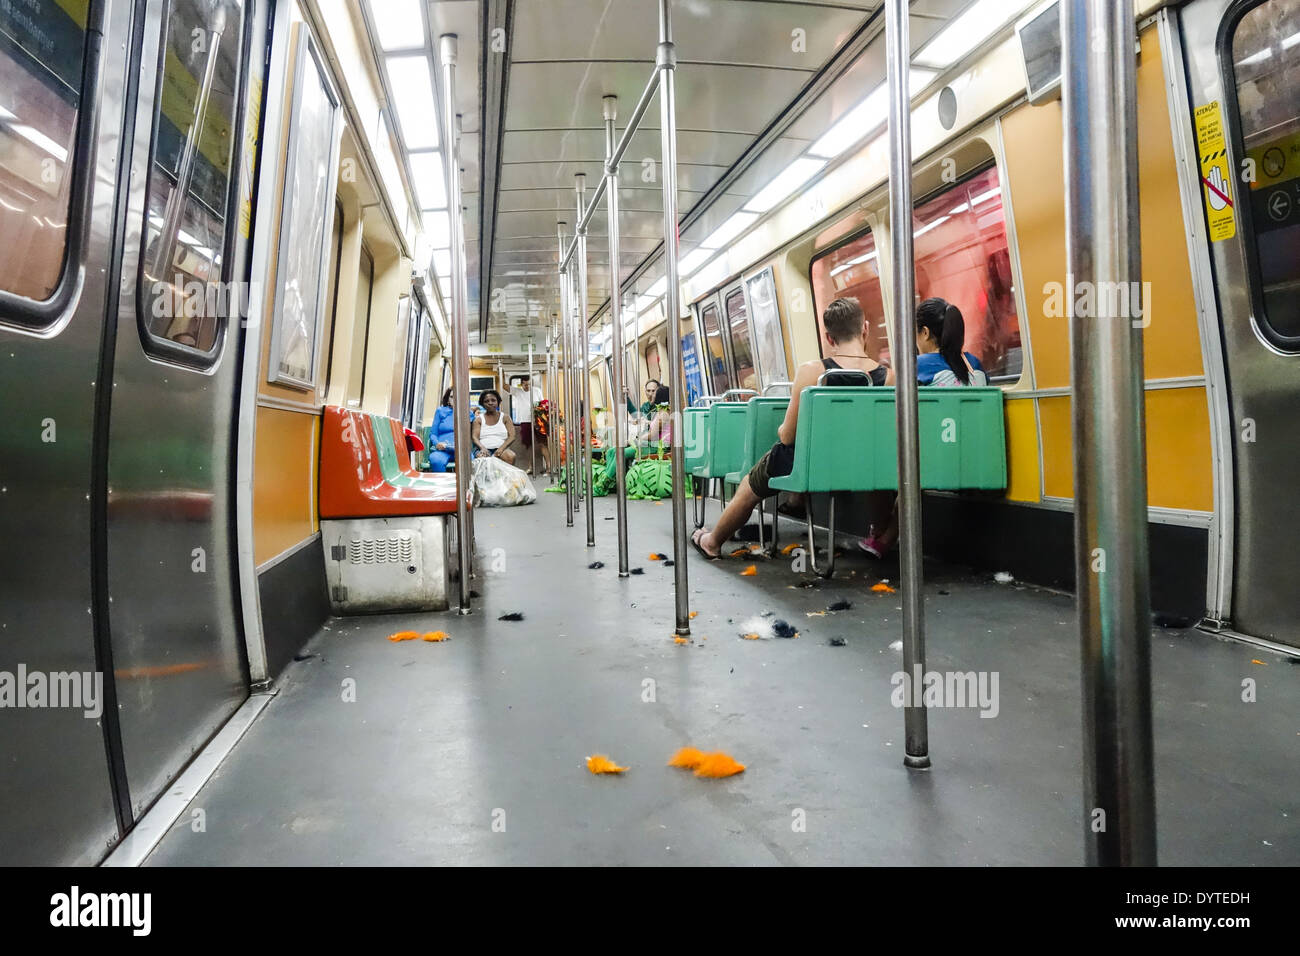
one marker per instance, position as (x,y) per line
(459,321)
(532,418)
(584,359)
(897,59)
(553,394)
(666,62)
(610,104)
(1110,500)
(566,465)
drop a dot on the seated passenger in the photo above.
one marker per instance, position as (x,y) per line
(846,339)
(940,337)
(661,425)
(493,432)
(442,434)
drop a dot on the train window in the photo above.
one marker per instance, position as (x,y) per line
(361,328)
(1263,67)
(852,269)
(738,326)
(652,362)
(961,255)
(717,380)
(42,61)
(183,301)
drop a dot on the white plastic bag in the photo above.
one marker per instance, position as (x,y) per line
(500,485)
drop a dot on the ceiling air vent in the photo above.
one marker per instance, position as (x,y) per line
(1040,47)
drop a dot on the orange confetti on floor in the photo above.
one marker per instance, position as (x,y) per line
(750,637)
(693,613)
(739,551)
(750,571)
(681,640)
(403,636)
(719,765)
(882,587)
(687,757)
(1253,661)
(654,556)
(599,763)
(435,636)
(790,547)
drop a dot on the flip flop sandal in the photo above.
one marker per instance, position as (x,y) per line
(695,543)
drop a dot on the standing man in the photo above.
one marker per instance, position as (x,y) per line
(522,398)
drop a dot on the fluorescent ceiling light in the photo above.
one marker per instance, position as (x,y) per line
(729,230)
(1291,41)
(712,274)
(644,303)
(409,82)
(38,138)
(854,262)
(659,288)
(926,228)
(964,33)
(866,116)
(794,176)
(438,228)
(1254,58)
(985,196)
(692,261)
(430,184)
(398,23)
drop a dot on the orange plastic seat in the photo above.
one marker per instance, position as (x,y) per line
(352,483)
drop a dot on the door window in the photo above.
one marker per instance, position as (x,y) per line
(43,59)
(1264,69)
(183,302)
(741,353)
(716,378)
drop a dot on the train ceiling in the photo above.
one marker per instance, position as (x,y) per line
(760,84)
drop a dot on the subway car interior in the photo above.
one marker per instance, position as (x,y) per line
(649,432)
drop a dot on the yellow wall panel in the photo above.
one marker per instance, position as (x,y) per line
(1022,451)
(1179,462)
(1036,171)
(284,481)
(1058,458)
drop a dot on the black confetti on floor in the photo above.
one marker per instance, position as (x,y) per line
(783,629)
(840,606)
(669,562)
(512,616)
(637,571)
(837,642)
(595,565)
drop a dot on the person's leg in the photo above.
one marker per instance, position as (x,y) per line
(438,460)
(507,456)
(736,514)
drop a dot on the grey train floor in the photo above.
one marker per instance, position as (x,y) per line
(445,739)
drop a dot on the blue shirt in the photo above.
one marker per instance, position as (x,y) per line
(932,363)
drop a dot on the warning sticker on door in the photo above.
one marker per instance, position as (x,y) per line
(1216,174)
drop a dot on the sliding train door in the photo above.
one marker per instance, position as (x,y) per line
(1243,68)
(62,77)
(173,618)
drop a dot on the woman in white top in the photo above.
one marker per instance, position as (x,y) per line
(493,431)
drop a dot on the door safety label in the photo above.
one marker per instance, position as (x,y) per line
(1216,174)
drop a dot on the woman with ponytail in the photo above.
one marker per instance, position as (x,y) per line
(940,337)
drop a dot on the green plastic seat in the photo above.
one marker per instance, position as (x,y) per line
(390,464)
(763,418)
(846,440)
(722,453)
(695,438)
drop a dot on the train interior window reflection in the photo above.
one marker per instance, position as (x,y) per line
(741,351)
(961,255)
(41,65)
(190,173)
(714,351)
(1266,67)
(853,269)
